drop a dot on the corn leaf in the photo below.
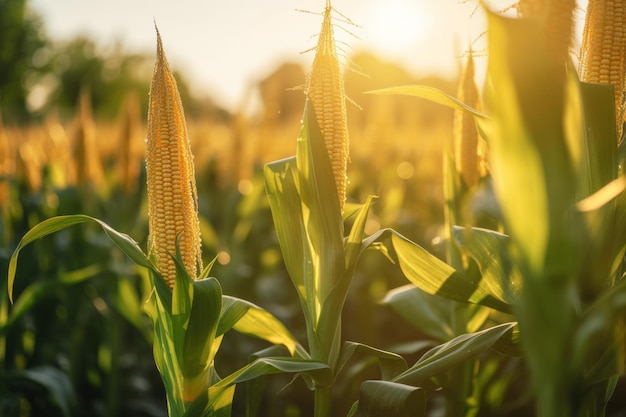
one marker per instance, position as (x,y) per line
(45,382)
(200,336)
(124,242)
(389,399)
(430,93)
(318,371)
(357,233)
(220,404)
(391,364)
(164,352)
(426,312)
(535,182)
(600,142)
(440,97)
(529,153)
(220,393)
(499,276)
(39,291)
(436,277)
(453,353)
(290,226)
(252,320)
(320,207)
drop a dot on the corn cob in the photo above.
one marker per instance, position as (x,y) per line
(465,135)
(172,195)
(559,29)
(603,49)
(556,17)
(531,8)
(325,89)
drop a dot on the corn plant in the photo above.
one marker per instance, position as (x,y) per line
(189,313)
(306,195)
(554,161)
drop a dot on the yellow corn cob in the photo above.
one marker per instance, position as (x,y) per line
(603,49)
(465,135)
(559,29)
(557,22)
(172,196)
(326,91)
(531,8)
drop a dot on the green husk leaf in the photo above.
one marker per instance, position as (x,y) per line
(320,206)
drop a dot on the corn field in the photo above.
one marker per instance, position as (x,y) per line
(392,247)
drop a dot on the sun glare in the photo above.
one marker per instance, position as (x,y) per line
(394,26)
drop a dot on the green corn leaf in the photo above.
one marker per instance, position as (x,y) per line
(219,395)
(320,208)
(250,319)
(200,336)
(499,276)
(124,242)
(45,382)
(430,93)
(529,153)
(165,358)
(357,233)
(599,145)
(289,223)
(391,364)
(389,399)
(436,277)
(426,312)
(318,371)
(214,403)
(38,291)
(128,304)
(453,353)
(440,97)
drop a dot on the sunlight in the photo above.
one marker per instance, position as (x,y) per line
(393,26)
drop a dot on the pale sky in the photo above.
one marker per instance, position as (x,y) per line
(225,45)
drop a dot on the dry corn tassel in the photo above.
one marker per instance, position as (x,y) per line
(325,89)
(88,164)
(466,140)
(131,126)
(603,49)
(172,196)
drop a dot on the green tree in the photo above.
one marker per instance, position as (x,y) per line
(22,36)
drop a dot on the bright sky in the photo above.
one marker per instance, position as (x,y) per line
(224,46)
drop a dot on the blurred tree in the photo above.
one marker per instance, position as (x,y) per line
(22,36)
(110,74)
